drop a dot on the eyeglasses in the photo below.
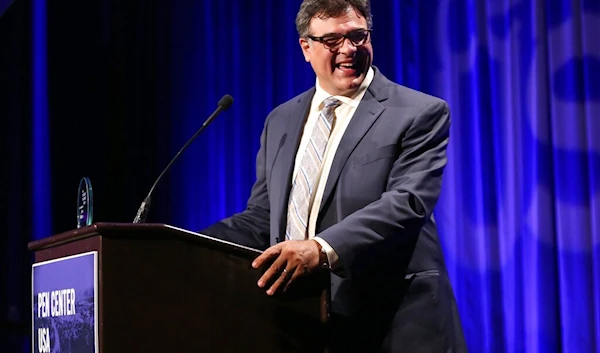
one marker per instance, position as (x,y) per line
(334,41)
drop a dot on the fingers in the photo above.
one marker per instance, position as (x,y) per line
(272,272)
(294,275)
(282,280)
(290,260)
(267,255)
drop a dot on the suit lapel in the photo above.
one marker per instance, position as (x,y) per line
(368,111)
(284,163)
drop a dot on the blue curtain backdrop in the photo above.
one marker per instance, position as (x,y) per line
(519,214)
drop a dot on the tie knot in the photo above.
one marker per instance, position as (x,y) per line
(331,103)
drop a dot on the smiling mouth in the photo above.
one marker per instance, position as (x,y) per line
(346,65)
(348,68)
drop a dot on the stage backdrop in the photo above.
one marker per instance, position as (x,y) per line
(119,87)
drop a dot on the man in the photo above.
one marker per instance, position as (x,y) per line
(348,174)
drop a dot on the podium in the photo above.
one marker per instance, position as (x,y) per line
(165,289)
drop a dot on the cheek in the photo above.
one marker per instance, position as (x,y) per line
(319,66)
(325,62)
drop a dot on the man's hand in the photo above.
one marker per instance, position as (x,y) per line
(292,259)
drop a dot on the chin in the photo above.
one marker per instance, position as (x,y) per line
(347,90)
(352,83)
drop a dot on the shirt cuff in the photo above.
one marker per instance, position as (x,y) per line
(332,256)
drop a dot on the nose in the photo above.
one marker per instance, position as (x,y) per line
(347,47)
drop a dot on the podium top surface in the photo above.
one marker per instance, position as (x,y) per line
(141,232)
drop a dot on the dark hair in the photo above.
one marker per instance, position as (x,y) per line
(329,8)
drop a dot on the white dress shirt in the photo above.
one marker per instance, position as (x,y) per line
(343,115)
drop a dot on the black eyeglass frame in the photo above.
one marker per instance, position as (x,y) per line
(342,38)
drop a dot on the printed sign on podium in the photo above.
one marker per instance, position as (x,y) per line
(65,305)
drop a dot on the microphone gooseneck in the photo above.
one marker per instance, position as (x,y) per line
(142,213)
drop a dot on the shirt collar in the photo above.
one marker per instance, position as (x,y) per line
(354,101)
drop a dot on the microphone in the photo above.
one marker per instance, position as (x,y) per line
(142,212)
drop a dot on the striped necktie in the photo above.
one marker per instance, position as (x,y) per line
(304,183)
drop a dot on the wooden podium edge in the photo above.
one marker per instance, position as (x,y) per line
(141,230)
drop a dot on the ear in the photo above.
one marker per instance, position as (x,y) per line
(305,45)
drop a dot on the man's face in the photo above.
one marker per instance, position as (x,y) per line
(340,70)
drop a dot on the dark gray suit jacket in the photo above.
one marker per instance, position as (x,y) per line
(391,292)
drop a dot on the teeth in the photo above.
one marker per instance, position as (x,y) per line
(346,65)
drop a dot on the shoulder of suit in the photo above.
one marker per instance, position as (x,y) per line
(406,96)
(403,96)
(291,106)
